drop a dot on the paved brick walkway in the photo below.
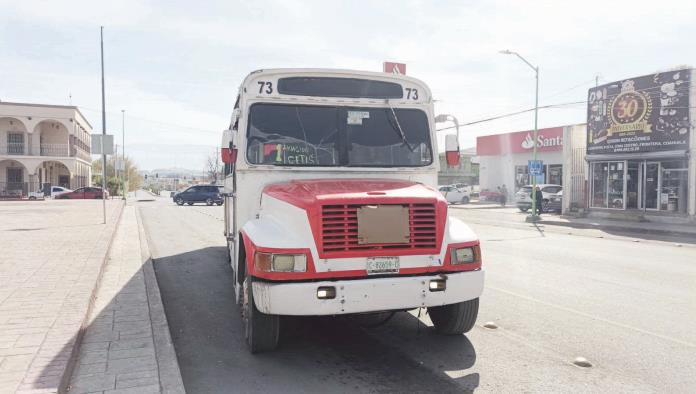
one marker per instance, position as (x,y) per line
(126,347)
(52,255)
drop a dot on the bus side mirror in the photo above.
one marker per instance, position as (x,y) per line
(234,122)
(452,150)
(229,150)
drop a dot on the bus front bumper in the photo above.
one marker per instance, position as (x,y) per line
(366,295)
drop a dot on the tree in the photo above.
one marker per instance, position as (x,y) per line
(135,180)
(213,168)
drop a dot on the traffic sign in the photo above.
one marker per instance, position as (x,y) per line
(394,68)
(97,144)
(536,167)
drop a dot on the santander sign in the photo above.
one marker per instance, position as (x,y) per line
(528,142)
(548,140)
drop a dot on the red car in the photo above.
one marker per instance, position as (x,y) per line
(84,193)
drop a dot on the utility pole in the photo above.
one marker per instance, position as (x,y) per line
(217,163)
(123,151)
(103,129)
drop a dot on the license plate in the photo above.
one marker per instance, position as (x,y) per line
(382,265)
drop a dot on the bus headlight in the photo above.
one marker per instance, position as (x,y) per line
(276,262)
(466,255)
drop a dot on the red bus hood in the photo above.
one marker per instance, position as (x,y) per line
(308,194)
(336,200)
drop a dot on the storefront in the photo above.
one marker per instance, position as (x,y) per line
(639,136)
(504,158)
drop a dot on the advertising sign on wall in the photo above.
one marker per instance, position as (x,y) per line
(644,114)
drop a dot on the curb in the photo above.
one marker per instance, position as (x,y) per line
(478,206)
(75,352)
(624,229)
(167,362)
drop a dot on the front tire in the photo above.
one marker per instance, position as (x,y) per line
(523,209)
(454,319)
(179,201)
(32,198)
(465,200)
(262,330)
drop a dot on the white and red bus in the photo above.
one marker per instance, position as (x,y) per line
(331,205)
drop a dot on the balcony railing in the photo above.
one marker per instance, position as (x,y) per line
(81,154)
(18,189)
(62,150)
(12,148)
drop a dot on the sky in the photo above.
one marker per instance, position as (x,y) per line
(175,66)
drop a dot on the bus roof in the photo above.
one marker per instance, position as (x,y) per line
(425,93)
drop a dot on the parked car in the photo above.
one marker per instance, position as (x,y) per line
(455,195)
(49,191)
(490,196)
(523,197)
(36,195)
(208,194)
(555,202)
(58,190)
(83,193)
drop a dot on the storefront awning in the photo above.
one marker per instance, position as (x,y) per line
(672,154)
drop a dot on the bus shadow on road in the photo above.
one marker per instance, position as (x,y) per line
(314,352)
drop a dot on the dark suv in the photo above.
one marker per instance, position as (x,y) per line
(209,194)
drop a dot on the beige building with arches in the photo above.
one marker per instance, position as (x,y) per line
(42,145)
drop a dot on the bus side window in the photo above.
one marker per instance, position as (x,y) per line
(236,109)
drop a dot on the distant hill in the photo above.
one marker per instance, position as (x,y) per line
(174,172)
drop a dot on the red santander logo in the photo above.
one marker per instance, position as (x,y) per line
(542,141)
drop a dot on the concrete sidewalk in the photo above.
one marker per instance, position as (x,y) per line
(127,347)
(681,230)
(53,254)
(512,215)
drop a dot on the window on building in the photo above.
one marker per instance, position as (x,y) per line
(674,188)
(608,186)
(615,192)
(600,173)
(521,176)
(15,143)
(555,172)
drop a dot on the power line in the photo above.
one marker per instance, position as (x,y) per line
(159,122)
(513,114)
(569,89)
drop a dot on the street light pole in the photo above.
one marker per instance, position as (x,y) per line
(123,152)
(534,216)
(103,127)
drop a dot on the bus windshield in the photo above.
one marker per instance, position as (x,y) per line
(301,135)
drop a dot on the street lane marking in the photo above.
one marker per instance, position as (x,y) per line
(626,326)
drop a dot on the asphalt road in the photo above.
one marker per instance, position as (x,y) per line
(628,307)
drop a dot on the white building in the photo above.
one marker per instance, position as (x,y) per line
(40,145)
(504,158)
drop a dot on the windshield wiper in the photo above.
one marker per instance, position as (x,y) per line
(398,128)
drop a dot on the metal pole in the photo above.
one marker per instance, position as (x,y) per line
(103,129)
(123,151)
(536,133)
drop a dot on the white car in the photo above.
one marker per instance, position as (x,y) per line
(523,197)
(55,192)
(36,195)
(455,195)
